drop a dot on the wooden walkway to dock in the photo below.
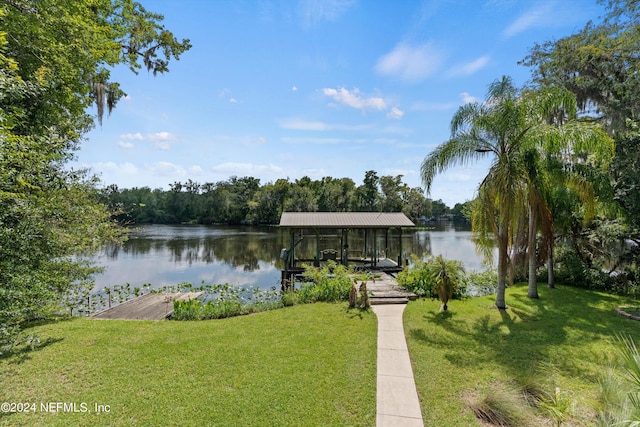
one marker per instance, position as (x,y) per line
(385,290)
(146,307)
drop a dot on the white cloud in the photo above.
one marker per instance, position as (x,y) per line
(469,68)
(162,140)
(534,17)
(161,136)
(294,88)
(354,99)
(467,98)
(132,136)
(125,145)
(233,100)
(410,63)
(395,113)
(195,170)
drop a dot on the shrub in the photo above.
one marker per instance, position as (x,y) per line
(329,283)
(572,270)
(422,278)
(447,276)
(482,282)
(416,279)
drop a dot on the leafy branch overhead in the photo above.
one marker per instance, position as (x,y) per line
(71,47)
(55,62)
(145,38)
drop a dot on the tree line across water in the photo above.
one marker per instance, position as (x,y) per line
(245,201)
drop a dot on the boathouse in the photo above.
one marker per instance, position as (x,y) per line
(366,254)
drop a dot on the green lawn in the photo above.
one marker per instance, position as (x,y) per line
(564,340)
(305,365)
(314,364)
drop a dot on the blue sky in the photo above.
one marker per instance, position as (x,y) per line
(284,89)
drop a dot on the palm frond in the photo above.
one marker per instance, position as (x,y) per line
(456,151)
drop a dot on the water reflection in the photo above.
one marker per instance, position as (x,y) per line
(165,255)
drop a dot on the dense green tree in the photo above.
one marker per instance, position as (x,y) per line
(414,204)
(462,211)
(54,63)
(626,186)
(301,199)
(240,200)
(335,195)
(392,189)
(439,208)
(368,193)
(599,64)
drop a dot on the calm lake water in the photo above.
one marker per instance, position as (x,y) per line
(163,255)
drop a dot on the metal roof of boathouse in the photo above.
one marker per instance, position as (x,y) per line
(345,220)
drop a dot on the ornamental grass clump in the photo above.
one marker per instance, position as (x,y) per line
(501,404)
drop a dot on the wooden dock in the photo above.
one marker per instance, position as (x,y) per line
(385,290)
(146,307)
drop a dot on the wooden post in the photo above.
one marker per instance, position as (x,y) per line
(374,255)
(386,242)
(400,246)
(346,247)
(366,238)
(292,244)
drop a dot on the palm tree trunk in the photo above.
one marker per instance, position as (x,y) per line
(550,272)
(503,266)
(531,249)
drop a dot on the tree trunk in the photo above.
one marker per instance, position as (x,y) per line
(503,266)
(531,249)
(550,277)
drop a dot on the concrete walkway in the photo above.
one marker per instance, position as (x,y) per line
(397,399)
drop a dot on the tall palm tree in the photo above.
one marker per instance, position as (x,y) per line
(563,142)
(508,124)
(538,211)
